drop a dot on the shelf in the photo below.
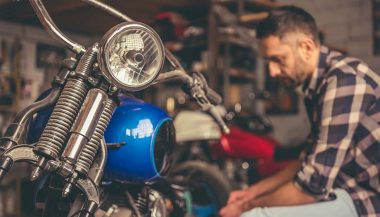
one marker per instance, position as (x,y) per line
(253,17)
(234,40)
(233,58)
(264,3)
(237,72)
(237,75)
(259,3)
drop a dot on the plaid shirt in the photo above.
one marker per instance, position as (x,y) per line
(343,99)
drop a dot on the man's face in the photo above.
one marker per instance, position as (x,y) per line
(284,60)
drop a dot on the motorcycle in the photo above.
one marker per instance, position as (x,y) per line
(94,152)
(245,155)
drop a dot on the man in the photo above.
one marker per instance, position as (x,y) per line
(339,174)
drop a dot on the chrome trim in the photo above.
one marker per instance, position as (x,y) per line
(90,113)
(57,129)
(104,43)
(108,9)
(85,123)
(74,147)
(87,60)
(102,159)
(88,153)
(174,75)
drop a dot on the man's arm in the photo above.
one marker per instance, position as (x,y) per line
(271,183)
(286,195)
(347,99)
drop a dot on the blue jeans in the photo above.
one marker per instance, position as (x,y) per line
(342,206)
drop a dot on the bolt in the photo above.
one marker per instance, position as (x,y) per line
(92,80)
(37,173)
(67,190)
(113,89)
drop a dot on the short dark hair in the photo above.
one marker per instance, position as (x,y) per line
(287,19)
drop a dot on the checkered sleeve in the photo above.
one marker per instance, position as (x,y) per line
(347,97)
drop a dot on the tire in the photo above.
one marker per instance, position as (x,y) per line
(206,183)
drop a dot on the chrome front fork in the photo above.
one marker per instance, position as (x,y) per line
(71,139)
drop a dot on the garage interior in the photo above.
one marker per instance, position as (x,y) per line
(208,36)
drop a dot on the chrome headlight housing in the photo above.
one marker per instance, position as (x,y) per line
(131,56)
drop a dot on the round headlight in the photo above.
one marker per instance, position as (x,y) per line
(131,55)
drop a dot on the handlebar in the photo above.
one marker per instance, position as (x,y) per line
(199,91)
(177,74)
(110,10)
(77,48)
(52,29)
(213,96)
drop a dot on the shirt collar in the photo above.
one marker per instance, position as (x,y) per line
(311,85)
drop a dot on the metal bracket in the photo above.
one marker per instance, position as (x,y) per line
(22,153)
(91,192)
(89,188)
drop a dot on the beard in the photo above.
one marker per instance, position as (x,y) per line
(289,82)
(297,77)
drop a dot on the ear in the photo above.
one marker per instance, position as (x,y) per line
(306,47)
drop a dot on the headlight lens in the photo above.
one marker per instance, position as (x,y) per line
(131,55)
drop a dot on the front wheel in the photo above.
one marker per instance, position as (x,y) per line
(208,187)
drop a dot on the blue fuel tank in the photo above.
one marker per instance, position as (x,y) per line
(140,138)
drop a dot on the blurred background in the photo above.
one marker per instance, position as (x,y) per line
(202,33)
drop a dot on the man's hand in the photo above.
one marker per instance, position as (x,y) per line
(243,200)
(236,196)
(267,185)
(286,195)
(235,202)
(232,210)
(240,195)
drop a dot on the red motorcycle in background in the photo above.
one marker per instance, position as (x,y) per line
(250,139)
(245,155)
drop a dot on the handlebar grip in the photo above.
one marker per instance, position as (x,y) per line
(215,114)
(213,96)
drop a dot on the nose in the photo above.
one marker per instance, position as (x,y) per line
(274,69)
